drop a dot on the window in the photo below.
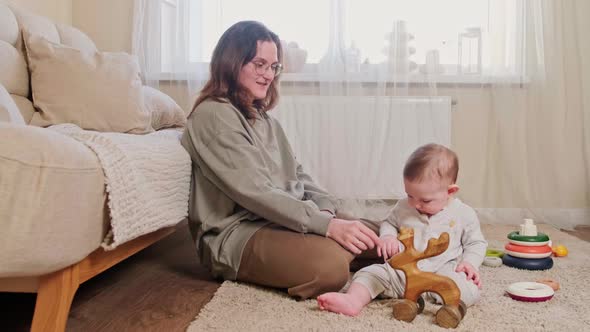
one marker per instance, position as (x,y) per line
(450,37)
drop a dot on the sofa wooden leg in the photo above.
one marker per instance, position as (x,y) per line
(54,298)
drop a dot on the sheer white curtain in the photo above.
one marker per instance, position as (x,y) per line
(534,153)
(163,36)
(366,83)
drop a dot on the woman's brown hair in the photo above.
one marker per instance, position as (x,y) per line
(236,47)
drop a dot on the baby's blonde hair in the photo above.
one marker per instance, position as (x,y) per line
(432,161)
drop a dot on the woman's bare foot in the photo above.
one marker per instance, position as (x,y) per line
(357,296)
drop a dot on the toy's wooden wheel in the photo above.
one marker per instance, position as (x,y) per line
(404,309)
(448,316)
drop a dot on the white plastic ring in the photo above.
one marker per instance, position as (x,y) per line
(492,261)
(530,290)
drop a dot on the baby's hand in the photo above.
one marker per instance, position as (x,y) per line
(471,272)
(389,246)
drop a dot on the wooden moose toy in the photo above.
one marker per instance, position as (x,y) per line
(418,282)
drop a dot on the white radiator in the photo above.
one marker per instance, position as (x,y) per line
(356,147)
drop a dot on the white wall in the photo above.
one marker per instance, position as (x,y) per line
(56,10)
(108,22)
(583,9)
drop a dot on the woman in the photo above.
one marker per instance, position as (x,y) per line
(255,215)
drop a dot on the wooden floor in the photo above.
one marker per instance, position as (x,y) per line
(159,289)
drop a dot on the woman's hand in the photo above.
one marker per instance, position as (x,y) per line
(352,235)
(389,247)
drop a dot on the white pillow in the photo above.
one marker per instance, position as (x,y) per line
(8,110)
(164,110)
(98,91)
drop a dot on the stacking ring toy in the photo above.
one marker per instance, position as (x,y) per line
(527,263)
(528,240)
(494,253)
(530,291)
(528,251)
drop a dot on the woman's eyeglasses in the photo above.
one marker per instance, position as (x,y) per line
(262,67)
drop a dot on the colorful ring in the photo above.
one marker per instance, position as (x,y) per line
(527,263)
(492,261)
(530,291)
(530,244)
(494,253)
(528,251)
(540,237)
(549,282)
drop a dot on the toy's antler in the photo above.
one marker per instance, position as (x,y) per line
(434,247)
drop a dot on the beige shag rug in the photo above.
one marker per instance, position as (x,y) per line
(242,307)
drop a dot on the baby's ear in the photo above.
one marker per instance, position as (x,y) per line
(452,189)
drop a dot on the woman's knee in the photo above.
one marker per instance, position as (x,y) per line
(320,276)
(335,280)
(333,275)
(330,265)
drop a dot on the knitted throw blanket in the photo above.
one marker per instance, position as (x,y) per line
(147,179)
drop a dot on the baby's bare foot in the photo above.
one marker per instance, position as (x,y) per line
(340,303)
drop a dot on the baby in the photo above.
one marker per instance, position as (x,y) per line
(430,208)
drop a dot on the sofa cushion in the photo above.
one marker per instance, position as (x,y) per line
(13,70)
(52,201)
(75,38)
(97,91)
(14,74)
(164,111)
(8,110)
(25,107)
(8,26)
(36,24)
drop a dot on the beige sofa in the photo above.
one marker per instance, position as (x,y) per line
(53,201)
